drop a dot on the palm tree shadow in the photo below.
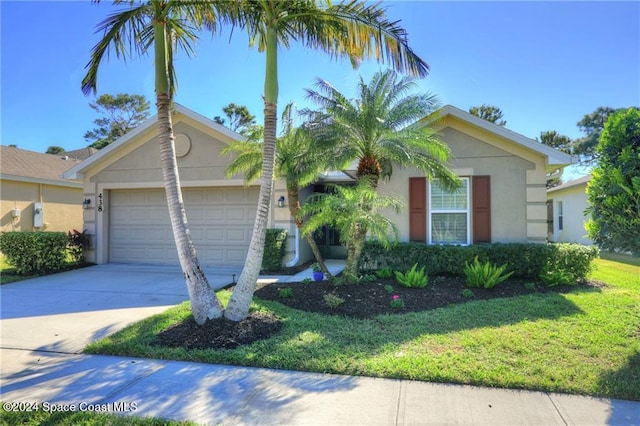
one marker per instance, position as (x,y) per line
(624,383)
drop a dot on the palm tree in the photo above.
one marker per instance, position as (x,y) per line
(354,30)
(378,130)
(352,210)
(166,25)
(299,160)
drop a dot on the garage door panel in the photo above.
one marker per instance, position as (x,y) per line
(220,221)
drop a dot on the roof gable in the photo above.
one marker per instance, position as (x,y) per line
(553,156)
(123,142)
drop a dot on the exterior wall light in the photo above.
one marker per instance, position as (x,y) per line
(86,203)
(281,201)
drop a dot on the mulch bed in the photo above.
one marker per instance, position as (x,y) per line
(360,301)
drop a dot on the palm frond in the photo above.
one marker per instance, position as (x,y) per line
(123,30)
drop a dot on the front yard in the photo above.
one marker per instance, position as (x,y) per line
(584,341)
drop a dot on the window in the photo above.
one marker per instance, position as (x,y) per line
(560,216)
(449,214)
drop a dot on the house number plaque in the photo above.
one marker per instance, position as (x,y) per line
(100,204)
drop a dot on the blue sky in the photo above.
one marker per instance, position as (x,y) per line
(545,64)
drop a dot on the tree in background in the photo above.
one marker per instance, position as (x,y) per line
(592,125)
(560,142)
(54,149)
(488,112)
(119,115)
(614,190)
(240,119)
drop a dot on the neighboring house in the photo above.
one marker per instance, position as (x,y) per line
(33,194)
(503,198)
(80,154)
(567,204)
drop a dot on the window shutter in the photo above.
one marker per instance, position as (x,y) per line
(418,209)
(481,193)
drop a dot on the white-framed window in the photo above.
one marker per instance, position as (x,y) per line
(560,216)
(449,214)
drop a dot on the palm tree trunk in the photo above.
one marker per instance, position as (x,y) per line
(294,210)
(240,302)
(238,307)
(354,251)
(204,302)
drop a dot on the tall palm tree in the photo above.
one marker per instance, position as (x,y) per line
(377,129)
(166,25)
(299,160)
(354,30)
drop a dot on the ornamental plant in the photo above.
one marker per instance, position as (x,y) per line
(333,300)
(397,302)
(413,278)
(384,273)
(484,275)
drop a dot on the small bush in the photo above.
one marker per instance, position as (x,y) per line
(413,278)
(396,302)
(78,243)
(333,300)
(484,275)
(285,293)
(555,277)
(35,252)
(389,289)
(275,246)
(467,293)
(384,273)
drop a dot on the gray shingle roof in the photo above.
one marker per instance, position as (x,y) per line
(31,164)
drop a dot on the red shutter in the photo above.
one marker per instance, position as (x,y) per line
(418,209)
(481,193)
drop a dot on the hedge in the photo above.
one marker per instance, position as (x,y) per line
(35,252)
(524,260)
(275,246)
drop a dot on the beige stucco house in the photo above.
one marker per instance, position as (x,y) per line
(503,199)
(33,194)
(567,205)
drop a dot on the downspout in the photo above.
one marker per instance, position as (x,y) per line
(296,257)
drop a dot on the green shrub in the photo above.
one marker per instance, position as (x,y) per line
(275,246)
(524,260)
(389,289)
(35,252)
(333,300)
(467,293)
(484,275)
(384,273)
(285,292)
(413,278)
(555,277)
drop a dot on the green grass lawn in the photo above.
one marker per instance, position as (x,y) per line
(583,342)
(72,418)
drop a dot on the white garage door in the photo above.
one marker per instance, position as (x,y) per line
(220,220)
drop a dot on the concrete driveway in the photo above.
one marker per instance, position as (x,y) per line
(65,312)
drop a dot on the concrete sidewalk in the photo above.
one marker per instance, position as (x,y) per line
(46,322)
(216,394)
